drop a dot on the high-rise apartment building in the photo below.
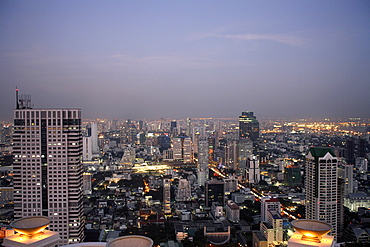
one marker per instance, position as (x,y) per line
(272,229)
(167,195)
(202,167)
(322,187)
(48,170)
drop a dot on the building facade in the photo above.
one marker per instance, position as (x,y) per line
(48,170)
(322,201)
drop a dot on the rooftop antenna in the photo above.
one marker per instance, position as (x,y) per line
(16,98)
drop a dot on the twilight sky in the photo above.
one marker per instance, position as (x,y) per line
(178,59)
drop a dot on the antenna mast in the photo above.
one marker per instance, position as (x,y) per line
(16,98)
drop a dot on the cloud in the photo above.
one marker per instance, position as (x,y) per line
(284,39)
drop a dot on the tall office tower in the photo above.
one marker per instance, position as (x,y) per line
(211,147)
(183,191)
(167,195)
(215,192)
(245,151)
(202,167)
(362,147)
(87,148)
(198,134)
(231,154)
(94,137)
(48,170)
(340,212)
(173,128)
(181,146)
(269,204)
(321,186)
(345,172)
(188,127)
(253,170)
(249,127)
(350,151)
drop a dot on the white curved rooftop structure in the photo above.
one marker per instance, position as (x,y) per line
(30,225)
(126,241)
(312,230)
(131,241)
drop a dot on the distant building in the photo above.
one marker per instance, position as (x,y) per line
(202,167)
(245,151)
(253,175)
(292,176)
(249,128)
(87,152)
(353,201)
(232,211)
(167,195)
(181,146)
(215,192)
(269,204)
(346,173)
(93,132)
(272,229)
(6,194)
(87,185)
(231,154)
(231,184)
(168,155)
(183,191)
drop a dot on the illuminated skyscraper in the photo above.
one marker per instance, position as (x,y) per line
(249,128)
(322,199)
(47,169)
(167,195)
(182,149)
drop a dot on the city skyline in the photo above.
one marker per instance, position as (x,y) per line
(199,59)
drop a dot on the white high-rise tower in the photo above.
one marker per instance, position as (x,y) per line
(322,187)
(47,169)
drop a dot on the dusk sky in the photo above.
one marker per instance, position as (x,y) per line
(178,59)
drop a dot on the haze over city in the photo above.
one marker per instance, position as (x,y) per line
(152,59)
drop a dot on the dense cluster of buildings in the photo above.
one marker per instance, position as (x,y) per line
(217,181)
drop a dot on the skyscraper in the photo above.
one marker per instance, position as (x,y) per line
(322,187)
(181,146)
(202,167)
(167,195)
(249,128)
(47,168)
